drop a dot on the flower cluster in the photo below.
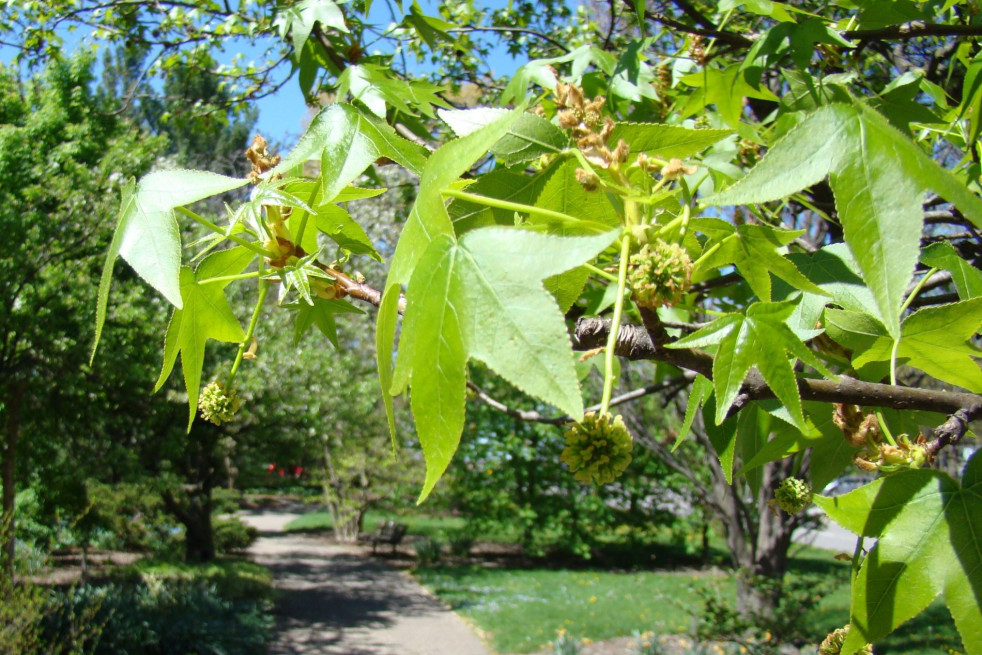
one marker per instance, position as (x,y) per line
(598,449)
(218,405)
(591,129)
(863,432)
(660,274)
(793,495)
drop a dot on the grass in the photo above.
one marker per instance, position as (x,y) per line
(521,609)
(424,526)
(234,579)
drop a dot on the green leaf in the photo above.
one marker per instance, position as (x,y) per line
(529,138)
(347,141)
(666,141)
(338,225)
(927,528)
(320,313)
(878,177)
(754,250)
(562,193)
(465,121)
(503,185)
(299,18)
(483,299)
(760,339)
(939,341)
(967,278)
(147,235)
(724,88)
(205,315)
(834,269)
(428,221)
(702,389)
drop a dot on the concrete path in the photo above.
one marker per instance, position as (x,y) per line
(335,600)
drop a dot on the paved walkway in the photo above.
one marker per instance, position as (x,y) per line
(336,601)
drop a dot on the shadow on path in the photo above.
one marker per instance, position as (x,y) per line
(336,600)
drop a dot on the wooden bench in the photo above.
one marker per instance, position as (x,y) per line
(390,533)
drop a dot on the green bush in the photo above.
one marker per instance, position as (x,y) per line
(158,617)
(21,611)
(461,542)
(232,535)
(225,501)
(428,550)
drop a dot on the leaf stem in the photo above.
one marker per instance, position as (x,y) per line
(263,287)
(896,342)
(885,429)
(229,278)
(596,270)
(616,320)
(510,206)
(706,255)
(251,245)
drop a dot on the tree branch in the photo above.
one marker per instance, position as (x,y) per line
(912,30)
(636,343)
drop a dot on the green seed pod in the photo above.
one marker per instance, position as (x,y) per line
(793,495)
(660,274)
(218,405)
(598,449)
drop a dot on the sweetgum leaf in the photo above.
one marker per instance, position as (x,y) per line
(428,220)
(483,298)
(939,341)
(967,278)
(529,138)
(347,141)
(760,339)
(320,313)
(878,177)
(205,315)
(666,140)
(147,235)
(928,531)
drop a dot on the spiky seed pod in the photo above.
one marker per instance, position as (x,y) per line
(832,645)
(660,274)
(598,449)
(793,495)
(218,405)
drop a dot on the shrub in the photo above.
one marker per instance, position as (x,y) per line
(428,550)
(461,542)
(225,501)
(232,535)
(157,617)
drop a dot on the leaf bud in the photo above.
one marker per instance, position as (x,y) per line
(587,179)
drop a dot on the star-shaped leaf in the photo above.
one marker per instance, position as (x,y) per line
(147,235)
(483,298)
(928,531)
(937,340)
(754,250)
(878,176)
(321,313)
(760,339)
(298,20)
(205,315)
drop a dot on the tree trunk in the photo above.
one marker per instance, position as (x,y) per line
(195,515)
(11,412)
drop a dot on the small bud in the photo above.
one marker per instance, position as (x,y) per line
(675,169)
(568,119)
(587,179)
(832,645)
(622,151)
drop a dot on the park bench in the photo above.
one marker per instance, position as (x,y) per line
(390,533)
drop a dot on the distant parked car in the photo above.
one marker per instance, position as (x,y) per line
(845,484)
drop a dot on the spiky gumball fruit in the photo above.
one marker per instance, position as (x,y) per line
(598,449)
(660,274)
(793,495)
(218,405)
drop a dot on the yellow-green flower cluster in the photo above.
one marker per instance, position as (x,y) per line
(218,405)
(793,495)
(598,449)
(660,274)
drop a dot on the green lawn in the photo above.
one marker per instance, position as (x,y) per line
(521,609)
(425,526)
